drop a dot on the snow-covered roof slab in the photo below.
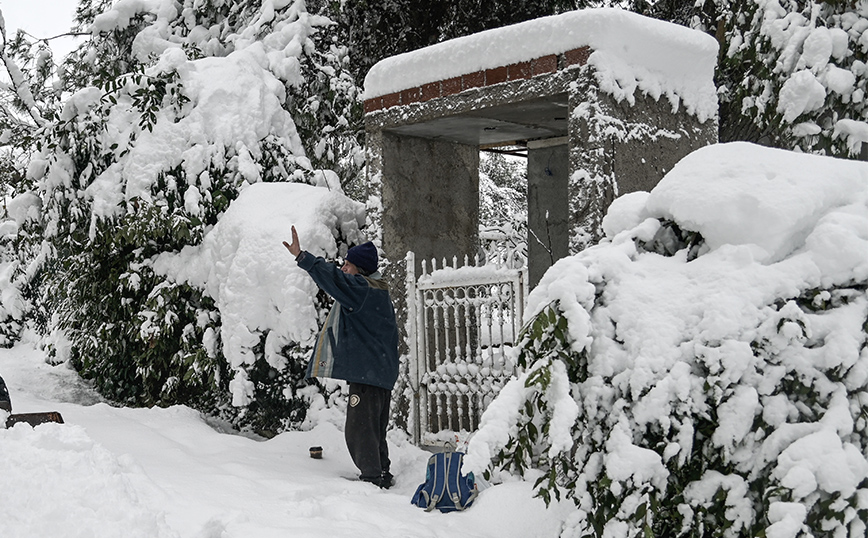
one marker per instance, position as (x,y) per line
(628,52)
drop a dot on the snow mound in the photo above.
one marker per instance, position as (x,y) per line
(243,265)
(760,327)
(59,467)
(777,200)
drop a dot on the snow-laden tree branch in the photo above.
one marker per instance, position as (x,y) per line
(19,84)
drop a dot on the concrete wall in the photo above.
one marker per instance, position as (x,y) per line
(656,139)
(617,148)
(430,196)
(429,193)
(547,207)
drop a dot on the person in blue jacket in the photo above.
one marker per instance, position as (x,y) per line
(359,344)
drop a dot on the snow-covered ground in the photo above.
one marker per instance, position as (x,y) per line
(122,472)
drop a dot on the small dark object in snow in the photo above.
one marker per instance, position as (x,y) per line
(34,419)
(316,452)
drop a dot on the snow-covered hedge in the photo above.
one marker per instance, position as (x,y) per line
(792,74)
(149,194)
(266,303)
(704,371)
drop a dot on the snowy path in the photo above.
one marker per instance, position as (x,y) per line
(166,473)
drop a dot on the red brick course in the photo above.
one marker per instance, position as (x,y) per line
(410,95)
(546,64)
(473,80)
(392,99)
(450,86)
(442,88)
(372,105)
(577,56)
(518,71)
(430,91)
(495,76)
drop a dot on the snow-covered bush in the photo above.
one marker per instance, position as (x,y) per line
(269,308)
(191,104)
(704,371)
(792,74)
(28,96)
(13,305)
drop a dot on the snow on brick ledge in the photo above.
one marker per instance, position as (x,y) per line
(628,52)
(477,79)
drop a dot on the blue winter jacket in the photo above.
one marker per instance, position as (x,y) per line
(359,340)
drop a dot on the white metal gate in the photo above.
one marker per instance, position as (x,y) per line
(463,323)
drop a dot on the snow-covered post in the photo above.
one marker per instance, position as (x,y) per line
(413,348)
(374,186)
(625,139)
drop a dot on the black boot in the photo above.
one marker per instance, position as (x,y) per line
(384,481)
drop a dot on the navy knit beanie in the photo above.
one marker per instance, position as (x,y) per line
(364,257)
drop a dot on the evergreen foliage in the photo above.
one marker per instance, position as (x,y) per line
(503,208)
(28,65)
(378,30)
(141,338)
(502,189)
(584,433)
(137,336)
(13,304)
(790,74)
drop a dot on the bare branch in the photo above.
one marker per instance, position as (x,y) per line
(58,36)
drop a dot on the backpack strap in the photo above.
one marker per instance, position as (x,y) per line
(473,493)
(454,487)
(469,487)
(437,466)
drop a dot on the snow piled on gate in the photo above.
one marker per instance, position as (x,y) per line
(630,53)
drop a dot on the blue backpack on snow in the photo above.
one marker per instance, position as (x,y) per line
(445,488)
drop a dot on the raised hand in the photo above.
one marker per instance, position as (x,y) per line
(293,248)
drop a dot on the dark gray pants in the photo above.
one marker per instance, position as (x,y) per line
(365,430)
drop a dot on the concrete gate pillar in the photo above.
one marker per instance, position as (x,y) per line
(430,196)
(548,217)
